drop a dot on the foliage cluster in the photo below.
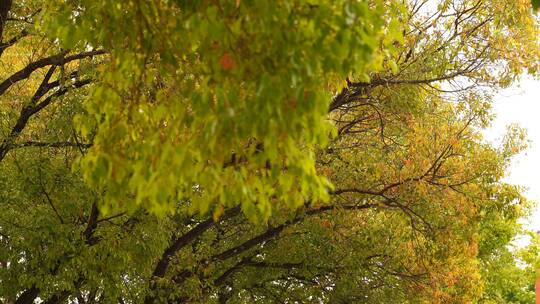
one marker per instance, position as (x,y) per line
(323,151)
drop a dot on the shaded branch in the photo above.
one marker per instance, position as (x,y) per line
(59,144)
(180,242)
(91,225)
(269,234)
(31,109)
(28,296)
(5,7)
(58,59)
(273,232)
(12,41)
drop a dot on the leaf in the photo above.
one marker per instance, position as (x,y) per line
(227,62)
(393,66)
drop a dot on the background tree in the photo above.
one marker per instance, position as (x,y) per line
(511,274)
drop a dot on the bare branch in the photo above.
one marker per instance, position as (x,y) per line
(12,41)
(60,144)
(31,109)
(57,59)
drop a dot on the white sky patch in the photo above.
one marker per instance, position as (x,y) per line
(520,104)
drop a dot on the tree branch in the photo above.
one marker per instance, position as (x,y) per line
(12,41)
(57,59)
(180,242)
(28,296)
(31,109)
(60,144)
(5,7)
(91,225)
(266,236)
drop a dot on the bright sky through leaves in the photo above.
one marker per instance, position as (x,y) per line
(520,105)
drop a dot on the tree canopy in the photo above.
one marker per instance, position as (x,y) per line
(249,151)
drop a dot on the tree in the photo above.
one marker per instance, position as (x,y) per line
(248,151)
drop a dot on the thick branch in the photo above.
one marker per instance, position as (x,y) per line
(60,144)
(31,109)
(28,296)
(269,234)
(5,7)
(249,263)
(354,90)
(273,232)
(91,225)
(180,242)
(58,59)
(12,41)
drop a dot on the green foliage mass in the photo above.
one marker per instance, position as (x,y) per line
(218,103)
(261,152)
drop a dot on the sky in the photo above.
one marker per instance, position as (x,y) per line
(521,104)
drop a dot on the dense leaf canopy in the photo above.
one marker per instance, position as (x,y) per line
(323,151)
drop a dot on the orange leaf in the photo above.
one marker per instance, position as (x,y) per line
(227,62)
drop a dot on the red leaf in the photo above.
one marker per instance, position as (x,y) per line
(227,62)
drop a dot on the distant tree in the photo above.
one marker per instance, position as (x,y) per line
(510,274)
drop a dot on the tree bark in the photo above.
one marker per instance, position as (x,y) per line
(5,7)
